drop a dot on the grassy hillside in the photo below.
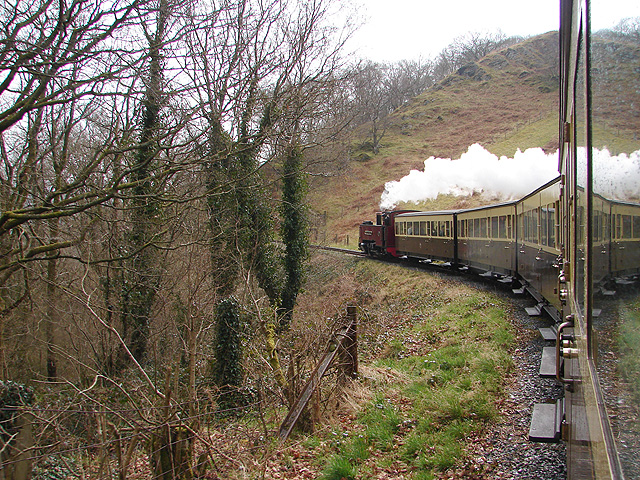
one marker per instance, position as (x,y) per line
(506,101)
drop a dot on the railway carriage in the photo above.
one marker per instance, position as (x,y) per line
(427,235)
(625,235)
(487,238)
(538,217)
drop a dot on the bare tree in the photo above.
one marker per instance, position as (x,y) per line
(55,55)
(407,79)
(469,48)
(372,100)
(628,29)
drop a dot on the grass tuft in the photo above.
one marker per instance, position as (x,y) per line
(339,468)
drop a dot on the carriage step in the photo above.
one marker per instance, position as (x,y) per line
(518,291)
(534,311)
(548,334)
(546,421)
(548,362)
(624,281)
(506,279)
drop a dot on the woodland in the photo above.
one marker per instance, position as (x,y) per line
(154,165)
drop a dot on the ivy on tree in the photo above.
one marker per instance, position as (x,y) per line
(227,372)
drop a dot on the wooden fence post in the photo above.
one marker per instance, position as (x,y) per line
(344,345)
(351,344)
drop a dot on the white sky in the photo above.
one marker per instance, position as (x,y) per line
(408,29)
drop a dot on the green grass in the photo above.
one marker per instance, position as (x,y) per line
(447,387)
(339,468)
(629,348)
(381,422)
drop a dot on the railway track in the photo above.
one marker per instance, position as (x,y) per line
(346,251)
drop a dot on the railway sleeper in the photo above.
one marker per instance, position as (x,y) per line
(546,421)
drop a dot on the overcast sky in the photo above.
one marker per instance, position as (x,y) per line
(408,29)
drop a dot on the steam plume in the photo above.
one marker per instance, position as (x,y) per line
(478,170)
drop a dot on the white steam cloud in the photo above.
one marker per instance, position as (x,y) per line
(616,177)
(478,170)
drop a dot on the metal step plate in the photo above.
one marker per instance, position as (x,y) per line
(549,334)
(546,422)
(548,362)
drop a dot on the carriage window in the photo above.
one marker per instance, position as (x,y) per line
(531,226)
(597,226)
(502,226)
(542,214)
(483,228)
(521,223)
(556,224)
(476,227)
(447,228)
(580,222)
(636,227)
(494,227)
(551,225)
(626,226)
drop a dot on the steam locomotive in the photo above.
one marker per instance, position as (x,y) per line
(574,248)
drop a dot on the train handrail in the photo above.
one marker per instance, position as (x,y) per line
(560,378)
